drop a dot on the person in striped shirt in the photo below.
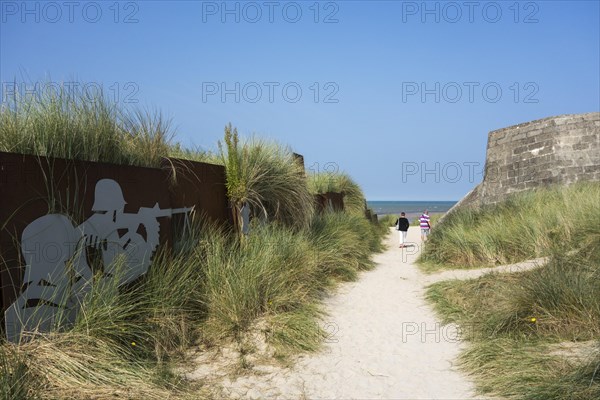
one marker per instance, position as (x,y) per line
(425,225)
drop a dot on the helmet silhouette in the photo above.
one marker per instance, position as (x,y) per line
(108,196)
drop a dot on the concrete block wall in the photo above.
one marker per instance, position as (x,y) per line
(556,150)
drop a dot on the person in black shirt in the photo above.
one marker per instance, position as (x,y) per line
(402,225)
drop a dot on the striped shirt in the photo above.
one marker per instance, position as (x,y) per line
(424,221)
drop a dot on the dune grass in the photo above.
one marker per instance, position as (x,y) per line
(265,176)
(280,275)
(71,124)
(563,296)
(522,228)
(529,370)
(514,321)
(387,220)
(214,287)
(339,182)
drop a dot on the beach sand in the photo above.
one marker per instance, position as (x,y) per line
(385,343)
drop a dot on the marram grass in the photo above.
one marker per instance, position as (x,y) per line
(69,124)
(277,272)
(338,182)
(524,227)
(265,176)
(513,320)
(214,287)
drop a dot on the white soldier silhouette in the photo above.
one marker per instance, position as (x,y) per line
(54,286)
(134,237)
(55,279)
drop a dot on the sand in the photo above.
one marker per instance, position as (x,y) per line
(385,342)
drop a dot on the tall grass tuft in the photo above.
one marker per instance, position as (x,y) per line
(515,320)
(266,176)
(74,124)
(15,379)
(526,226)
(336,236)
(280,274)
(272,272)
(323,182)
(512,319)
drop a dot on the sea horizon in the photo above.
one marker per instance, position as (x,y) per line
(411,208)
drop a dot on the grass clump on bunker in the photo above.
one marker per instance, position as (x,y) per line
(524,227)
(533,334)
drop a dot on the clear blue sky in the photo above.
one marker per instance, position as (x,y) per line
(371,61)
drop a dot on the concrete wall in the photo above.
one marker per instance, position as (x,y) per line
(556,150)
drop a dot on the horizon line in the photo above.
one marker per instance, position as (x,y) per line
(419,200)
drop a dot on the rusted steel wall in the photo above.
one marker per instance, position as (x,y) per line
(299,158)
(32,187)
(323,200)
(200,184)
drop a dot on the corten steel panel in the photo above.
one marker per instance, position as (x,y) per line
(299,159)
(31,187)
(336,200)
(199,184)
(320,202)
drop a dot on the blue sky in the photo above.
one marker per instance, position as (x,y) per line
(400,95)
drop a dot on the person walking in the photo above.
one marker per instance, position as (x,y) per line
(424,223)
(402,227)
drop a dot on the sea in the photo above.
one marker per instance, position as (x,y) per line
(412,208)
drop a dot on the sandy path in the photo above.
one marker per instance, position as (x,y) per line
(475,273)
(386,343)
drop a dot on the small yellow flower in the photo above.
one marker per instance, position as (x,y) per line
(533,319)
(133,344)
